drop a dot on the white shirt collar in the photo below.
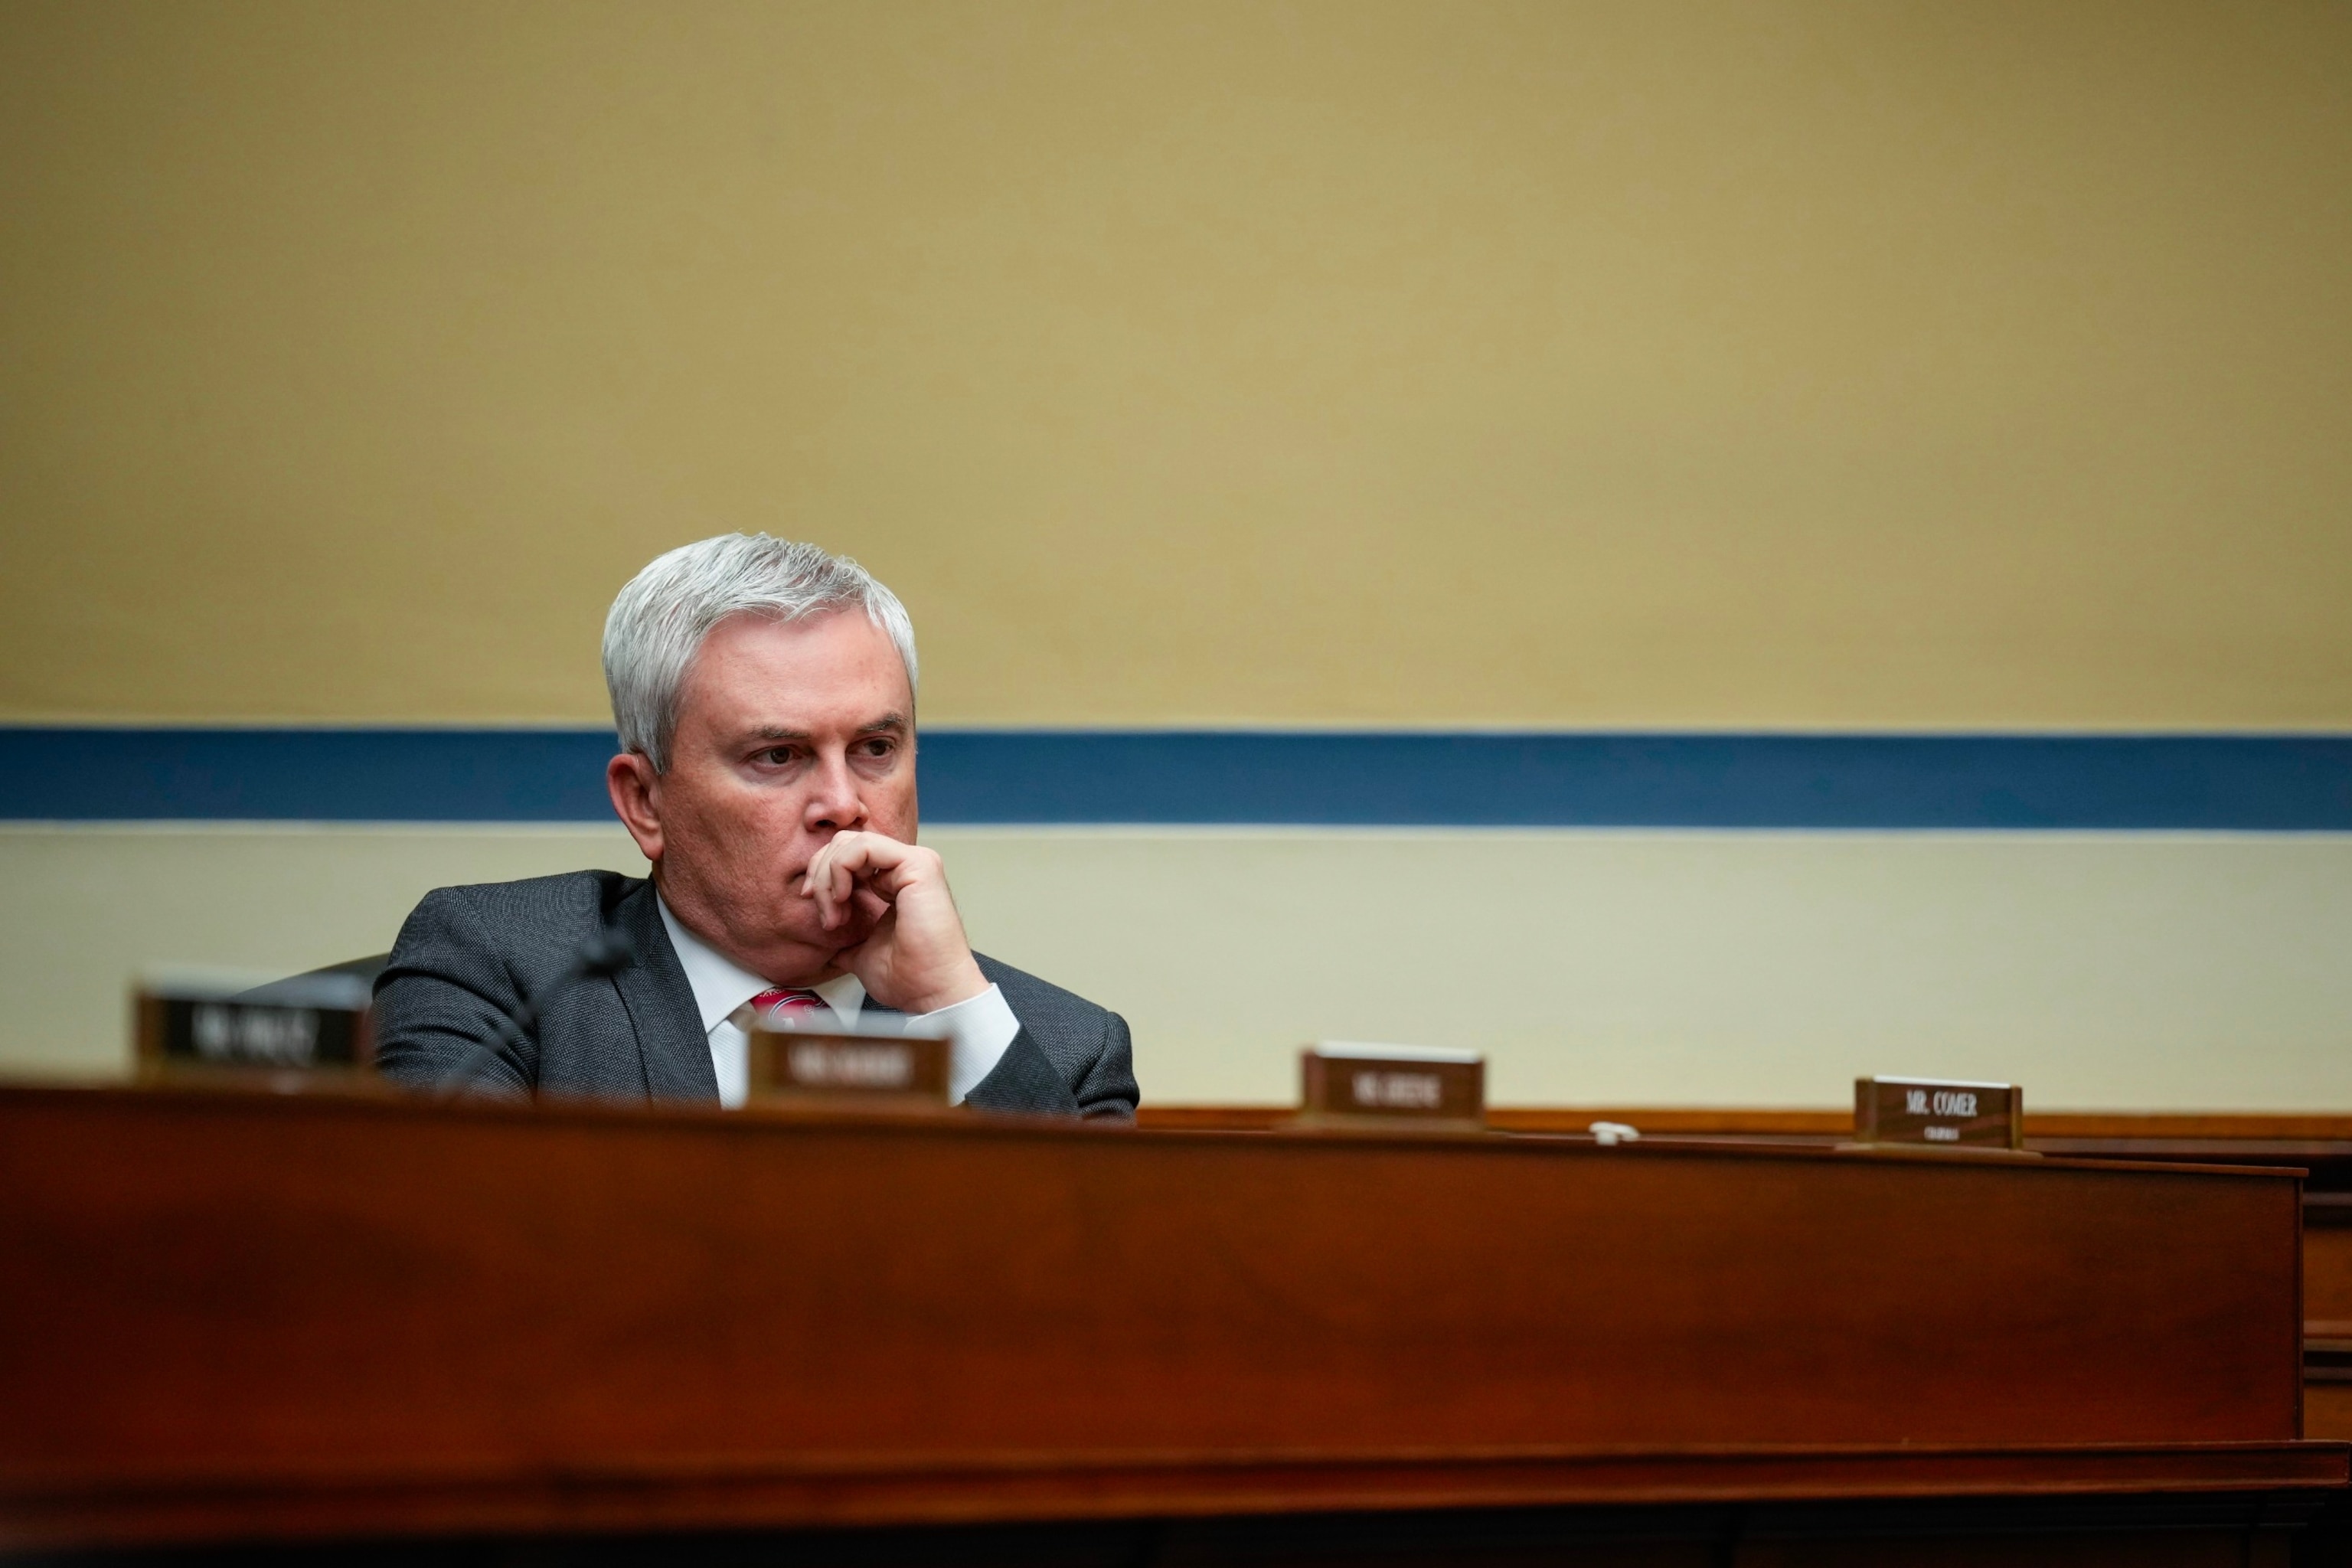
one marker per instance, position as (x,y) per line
(721,985)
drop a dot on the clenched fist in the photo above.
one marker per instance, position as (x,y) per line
(915,958)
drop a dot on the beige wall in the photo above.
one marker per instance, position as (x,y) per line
(2124,972)
(1957,363)
(1447,363)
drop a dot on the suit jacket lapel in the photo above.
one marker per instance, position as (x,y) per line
(671,1044)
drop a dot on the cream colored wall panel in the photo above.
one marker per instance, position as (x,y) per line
(88,909)
(1438,361)
(2121,971)
(2125,971)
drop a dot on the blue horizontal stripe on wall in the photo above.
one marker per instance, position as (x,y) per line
(2231,783)
(104,774)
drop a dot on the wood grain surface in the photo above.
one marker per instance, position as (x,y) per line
(233,1313)
(1825,1122)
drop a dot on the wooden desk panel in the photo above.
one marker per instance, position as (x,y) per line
(2328,1277)
(2320,1145)
(2282,1139)
(229,1313)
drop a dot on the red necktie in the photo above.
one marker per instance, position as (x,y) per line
(786,1007)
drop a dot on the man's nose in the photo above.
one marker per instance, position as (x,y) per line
(834,803)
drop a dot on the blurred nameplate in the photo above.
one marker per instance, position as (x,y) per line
(1936,1114)
(864,1069)
(1344,1085)
(284,1032)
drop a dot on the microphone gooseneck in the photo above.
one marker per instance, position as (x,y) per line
(607,953)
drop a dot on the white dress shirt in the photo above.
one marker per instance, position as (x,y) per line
(979,1027)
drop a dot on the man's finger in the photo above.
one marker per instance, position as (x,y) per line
(852,866)
(825,878)
(842,885)
(822,887)
(808,888)
(877,944)
(838,867)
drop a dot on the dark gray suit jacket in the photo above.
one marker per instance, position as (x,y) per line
(466,953)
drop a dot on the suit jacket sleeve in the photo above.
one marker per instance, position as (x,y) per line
(1107,1087)
(442,994)
(1072,1057)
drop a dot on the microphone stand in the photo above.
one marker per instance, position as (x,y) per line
(608,953)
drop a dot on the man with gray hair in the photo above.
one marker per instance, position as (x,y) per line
(764,693)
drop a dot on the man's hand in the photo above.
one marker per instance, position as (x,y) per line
(917,958)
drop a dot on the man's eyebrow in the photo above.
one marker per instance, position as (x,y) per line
(885,724)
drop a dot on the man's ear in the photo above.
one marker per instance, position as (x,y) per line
(636,790)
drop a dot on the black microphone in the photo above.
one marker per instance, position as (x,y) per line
(609,951)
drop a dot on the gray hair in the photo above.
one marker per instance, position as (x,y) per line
(658,623)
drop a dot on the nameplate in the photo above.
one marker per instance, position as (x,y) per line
(179,1036)
(816,1068)
(1935,1113)
(1392,1085)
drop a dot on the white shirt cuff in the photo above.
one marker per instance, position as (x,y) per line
(980,1028)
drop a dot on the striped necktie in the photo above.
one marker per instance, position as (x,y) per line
(779,1009)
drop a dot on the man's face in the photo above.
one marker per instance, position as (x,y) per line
(787,734)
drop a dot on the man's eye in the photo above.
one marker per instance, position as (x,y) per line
(776,756)
(878,747)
